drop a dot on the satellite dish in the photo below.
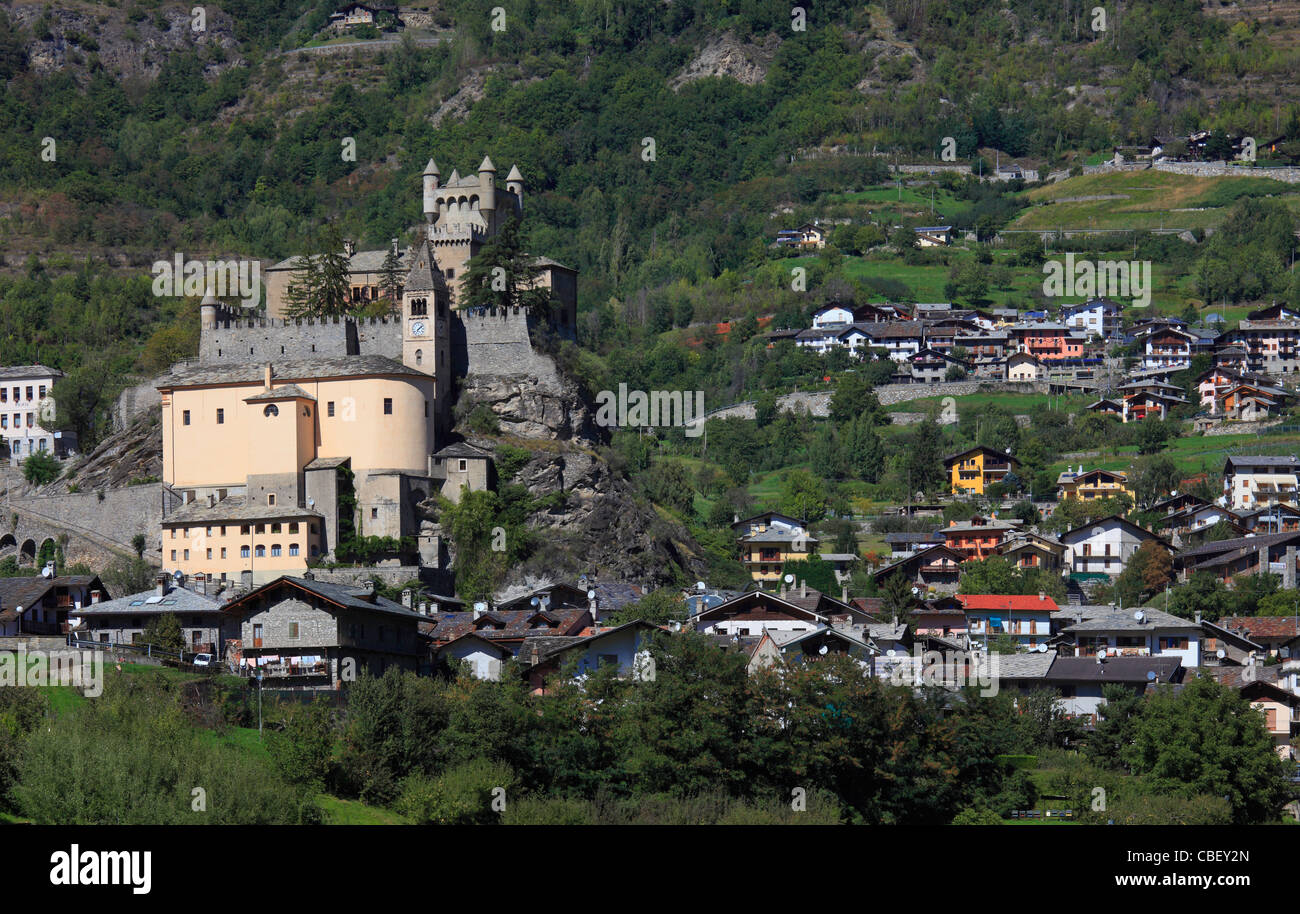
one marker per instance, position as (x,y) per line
(311,502)
(1042,648)
(480,607)
(824,650)
(591,595)
(534,602)
(699,585)
(1221,653)
(177,575)
(789,579)
(1174,493)
(1151,675)
(47,572)
(915,591)
(1140,616)
(889,653)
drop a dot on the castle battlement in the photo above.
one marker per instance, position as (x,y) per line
(281,323)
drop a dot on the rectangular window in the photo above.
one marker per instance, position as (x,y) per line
(221,417)
(293,631)
(223,552)
(293,527)
(185,417)
(293,548)
(388,406)
(42,391)
(187,555)
(209,553)
(374,513)
(173,555)
(329,409)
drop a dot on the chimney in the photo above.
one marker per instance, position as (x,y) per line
(212,499)
(309,575)
(406,598)
(478,612)
(96,596)
(369,587)
(783,588)
(844,593)
(1042,595)
(424,608)
(803,588)
(1198,617)
(266,377)
(161,585)
(349,247)
(534,656)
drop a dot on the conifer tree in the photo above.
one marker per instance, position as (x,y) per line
(502,274)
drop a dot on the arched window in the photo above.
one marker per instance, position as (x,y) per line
(293,548)
(275,549)
(261,552)
(271,410)
(419,356)
(243,552)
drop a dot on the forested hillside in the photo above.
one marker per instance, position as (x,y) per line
(229,140)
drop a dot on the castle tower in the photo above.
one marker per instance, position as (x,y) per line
(515,185)
(426,325)
(208,312)
(487,192)
(431,192)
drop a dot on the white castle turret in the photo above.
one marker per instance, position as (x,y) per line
(431,192)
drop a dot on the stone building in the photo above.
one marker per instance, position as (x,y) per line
(301,634)
(460,217)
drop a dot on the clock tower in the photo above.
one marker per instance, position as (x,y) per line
(426,332)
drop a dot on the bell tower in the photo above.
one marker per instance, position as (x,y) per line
(426,324)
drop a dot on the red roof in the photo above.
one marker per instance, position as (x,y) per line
(1025,603)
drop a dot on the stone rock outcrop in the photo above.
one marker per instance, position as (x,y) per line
(533,406)
(727,55)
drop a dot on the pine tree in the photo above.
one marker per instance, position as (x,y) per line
(334,292)
(301,296)
(503,275)
(390,276)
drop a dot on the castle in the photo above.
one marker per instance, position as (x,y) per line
(287,434)
(460,216)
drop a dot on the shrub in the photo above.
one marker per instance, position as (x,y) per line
(464,795)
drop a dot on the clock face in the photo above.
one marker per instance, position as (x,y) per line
(417,328)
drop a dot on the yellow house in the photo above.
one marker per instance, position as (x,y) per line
(1093,485)
(768,541)
(973,471)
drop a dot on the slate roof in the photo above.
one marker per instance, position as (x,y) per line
(28,590)
(1269,627)
(354,598)
(1033,665)
(425,275)
(1115,669)
(179,600)
(516,624)
(463,449)
(284,392)
(234,508)
(21,372)
(1110,618)
(347,366)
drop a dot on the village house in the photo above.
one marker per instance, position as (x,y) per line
(930,366)
(973,471)
(124,620)
(1098,317)
(900,339)
(1270,519)
(809,235)
(1031,550)
(932,236)
(788,648)
(1091,631)
(1278,635)
(797,610)
(300,634)
(1081,681)
(1105,546)
(767,541)
(1027,619)
(934,567)
(1269,553)
(27,414)
(1048,341)
(1022,367)
(46,604)
(977,538)
(1092,484)
(1256,481)
(1263,687)
(1270,345)
(625,647)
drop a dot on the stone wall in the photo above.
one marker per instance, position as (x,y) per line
(496,342)
(135,400)
(233,342)
(1287,174)
(818,403)
(109,519)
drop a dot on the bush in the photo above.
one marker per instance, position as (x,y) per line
(41,469)
(464,795)
(977,815)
